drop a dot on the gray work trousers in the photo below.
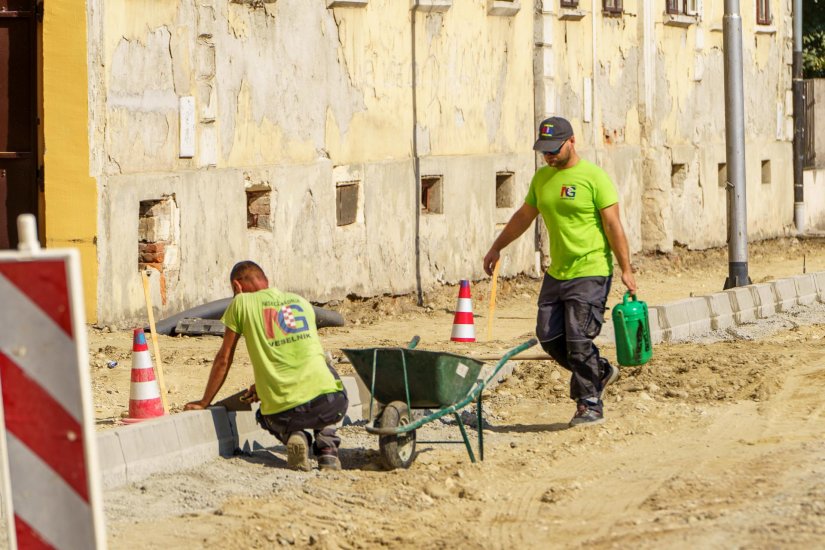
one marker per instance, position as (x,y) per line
(319,415)
(570,316)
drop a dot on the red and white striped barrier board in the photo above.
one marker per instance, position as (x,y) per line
(51,491)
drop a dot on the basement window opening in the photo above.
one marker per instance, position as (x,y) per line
(678,175)
(722,174)
(258,209)
(431,194)
(346,202)
(766,171)
(504,189)
(158,236)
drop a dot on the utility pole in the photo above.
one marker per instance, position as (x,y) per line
(735,148)
(798,120)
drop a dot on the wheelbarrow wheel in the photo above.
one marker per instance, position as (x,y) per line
(397,451)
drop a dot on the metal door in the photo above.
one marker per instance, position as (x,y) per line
(18,115)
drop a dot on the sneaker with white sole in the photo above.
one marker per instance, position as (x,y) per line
(586,416)
(297,452)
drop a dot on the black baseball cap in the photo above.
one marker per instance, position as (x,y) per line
(553,132)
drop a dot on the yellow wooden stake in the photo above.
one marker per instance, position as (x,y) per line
(158,364)
(493,286)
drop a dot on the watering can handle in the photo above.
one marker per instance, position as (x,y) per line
(627,294)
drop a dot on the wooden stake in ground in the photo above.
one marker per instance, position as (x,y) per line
(158,364)
(493,286)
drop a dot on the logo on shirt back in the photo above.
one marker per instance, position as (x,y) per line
(286,320)
(568,192)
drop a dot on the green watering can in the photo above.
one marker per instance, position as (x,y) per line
(631,326)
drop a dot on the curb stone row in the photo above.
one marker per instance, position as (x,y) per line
(131,453)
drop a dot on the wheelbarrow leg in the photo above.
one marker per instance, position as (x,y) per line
(480,428)
(464,435)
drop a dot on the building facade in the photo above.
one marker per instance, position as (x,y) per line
(363,147)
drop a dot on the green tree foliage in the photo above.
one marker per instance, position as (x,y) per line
(813,38)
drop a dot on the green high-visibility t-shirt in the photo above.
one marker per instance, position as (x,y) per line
(287,357)
(569,202)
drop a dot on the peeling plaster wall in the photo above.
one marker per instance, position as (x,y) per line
(291,98)
(644,95)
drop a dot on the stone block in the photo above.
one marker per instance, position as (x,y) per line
(784,291)
(364,395)
(721,311)
(806,293)
(503,374)
(203,435)
(819,281)
(656,332)
(675,320)
(249,436)
(110,459)
(743,303)
(355,411)
(150,447)
(764,298)
(699,314)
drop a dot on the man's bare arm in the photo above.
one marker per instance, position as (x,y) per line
(612,223)
(220,368)
(517,225)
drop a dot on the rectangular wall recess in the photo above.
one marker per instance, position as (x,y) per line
(432,194)
(258,209)
(346,202)
(505,188)
(766,171)
(722,174)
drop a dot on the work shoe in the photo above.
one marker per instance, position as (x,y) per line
(610,375)
(328,460)
(586,416)
(297,452)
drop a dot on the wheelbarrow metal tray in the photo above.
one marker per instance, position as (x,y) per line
(436,379)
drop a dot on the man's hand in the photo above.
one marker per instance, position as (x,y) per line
(629,281)
(250,395)
(490,261)
(195,406)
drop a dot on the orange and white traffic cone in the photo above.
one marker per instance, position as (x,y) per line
(144,394)
(463,328)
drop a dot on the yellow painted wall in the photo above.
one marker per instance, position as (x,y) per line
(70,193)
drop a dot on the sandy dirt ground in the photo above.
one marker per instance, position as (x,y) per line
(714,443)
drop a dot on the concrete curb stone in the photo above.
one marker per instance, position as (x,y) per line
(819,282)
(764,298)
(721,311)
(806,293)
(785,293)
(743,303)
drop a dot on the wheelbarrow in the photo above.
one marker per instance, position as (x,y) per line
(405,379)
